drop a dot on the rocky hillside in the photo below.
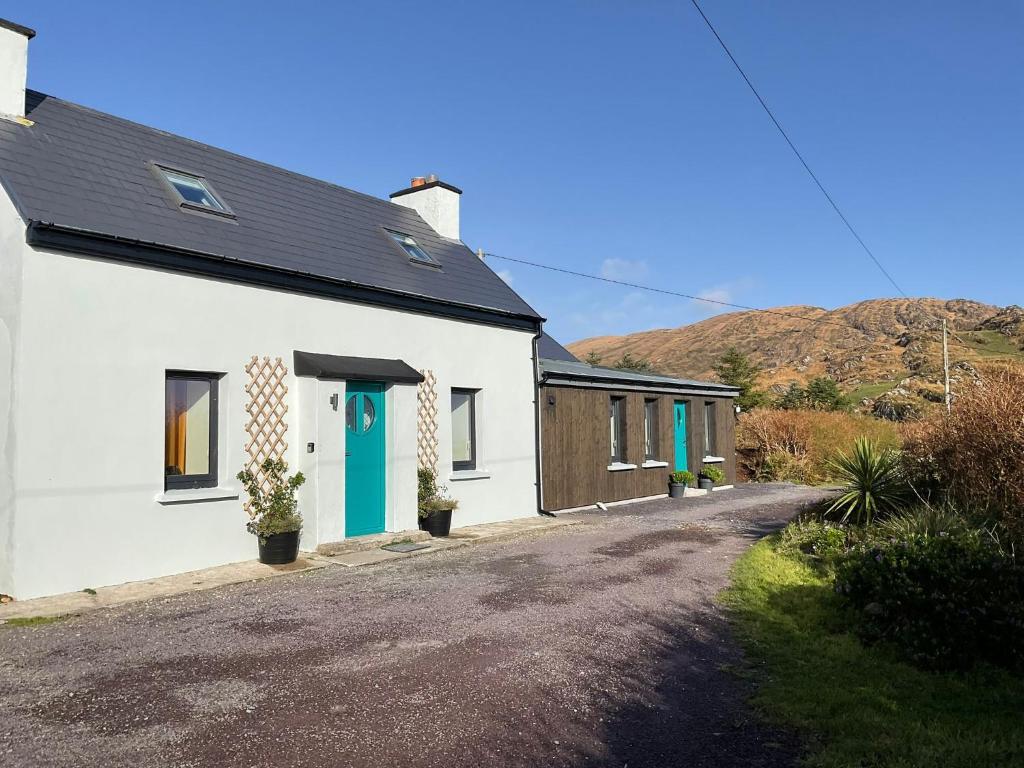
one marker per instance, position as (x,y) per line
(871,348)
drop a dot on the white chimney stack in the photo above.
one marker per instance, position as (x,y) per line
(434,200)
(13,68)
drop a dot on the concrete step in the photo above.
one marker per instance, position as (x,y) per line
(365,543)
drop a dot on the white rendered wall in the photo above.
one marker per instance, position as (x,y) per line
(12,245)
(438,206)
(96,339)
(13,71)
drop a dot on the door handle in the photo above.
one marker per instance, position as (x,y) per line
(348,453)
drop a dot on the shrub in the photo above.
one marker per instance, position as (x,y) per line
(274,510)
(923,520)
(975,455)
(714,474)
(797,446)
(817,539)
(682,477)
(874,480)
(431,497)
(821,394)
(943,601)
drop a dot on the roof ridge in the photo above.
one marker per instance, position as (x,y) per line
(204,145)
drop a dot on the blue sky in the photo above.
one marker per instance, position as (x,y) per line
(609,137)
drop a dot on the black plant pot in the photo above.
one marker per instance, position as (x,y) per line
(676,490)
(705,483)
(437,523)
(279,548)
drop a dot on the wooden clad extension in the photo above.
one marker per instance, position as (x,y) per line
(576,444)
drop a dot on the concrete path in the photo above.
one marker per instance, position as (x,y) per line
(597,644)
(351,553)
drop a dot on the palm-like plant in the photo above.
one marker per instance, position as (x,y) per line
(874,483)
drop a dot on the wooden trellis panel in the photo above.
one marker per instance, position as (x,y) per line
(426,422)
(267,410)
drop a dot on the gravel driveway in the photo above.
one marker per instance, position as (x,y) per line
(598,644)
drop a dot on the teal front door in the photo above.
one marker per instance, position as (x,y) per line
(680,432)
(364,458)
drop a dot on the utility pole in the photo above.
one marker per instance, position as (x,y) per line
(945,366)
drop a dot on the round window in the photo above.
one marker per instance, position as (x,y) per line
(350,413)
(369,414)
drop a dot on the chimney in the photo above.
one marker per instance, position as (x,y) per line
(13,68)
(434,200)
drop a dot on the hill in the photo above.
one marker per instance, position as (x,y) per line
(871,348)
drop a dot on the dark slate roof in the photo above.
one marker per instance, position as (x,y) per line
(84,170)
(548,348)
(582,374)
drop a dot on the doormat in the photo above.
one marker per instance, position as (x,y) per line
(407,547)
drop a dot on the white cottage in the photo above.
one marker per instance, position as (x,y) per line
(171,313)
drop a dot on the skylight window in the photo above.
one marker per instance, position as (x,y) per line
(193,191)
(411,247)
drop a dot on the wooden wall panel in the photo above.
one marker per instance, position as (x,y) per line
(576,445)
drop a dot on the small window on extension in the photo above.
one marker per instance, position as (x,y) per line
(617,423)
(193,191)
(411,247)
(651,429)
(709,429)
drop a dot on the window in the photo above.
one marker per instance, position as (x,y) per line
(193,191)
(411,247)
(709,429)
(651,429)
(617,419)
(463,429)
(190,430)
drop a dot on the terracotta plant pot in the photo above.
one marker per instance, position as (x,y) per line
(437,523)
(279,548)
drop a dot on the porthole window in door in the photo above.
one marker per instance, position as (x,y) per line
(369,413)
(350,413)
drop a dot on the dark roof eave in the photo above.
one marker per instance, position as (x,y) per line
(21,30)
(574,380)
(42,234)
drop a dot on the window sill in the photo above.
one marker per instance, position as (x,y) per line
(714,459)
(651,464)
(191,495)
(468,474)
(206,211)
(618,466)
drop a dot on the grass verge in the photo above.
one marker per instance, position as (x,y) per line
(857,705)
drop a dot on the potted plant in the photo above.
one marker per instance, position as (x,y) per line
(710,477)
(434,506)
(678,482)
(276,521)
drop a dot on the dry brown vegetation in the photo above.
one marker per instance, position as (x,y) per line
(975,455)
(798,445)
(870,341)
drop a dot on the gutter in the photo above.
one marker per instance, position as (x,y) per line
(630,385)
(40,234)
(537,442)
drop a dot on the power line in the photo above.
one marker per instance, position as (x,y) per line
(718,302)
(814,177)
(796,151)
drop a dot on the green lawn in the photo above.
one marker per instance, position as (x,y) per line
(859,706)
(988,342)
(870,391)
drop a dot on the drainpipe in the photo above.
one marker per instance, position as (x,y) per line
(536,422)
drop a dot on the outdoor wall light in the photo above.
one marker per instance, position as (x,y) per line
(334,401)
